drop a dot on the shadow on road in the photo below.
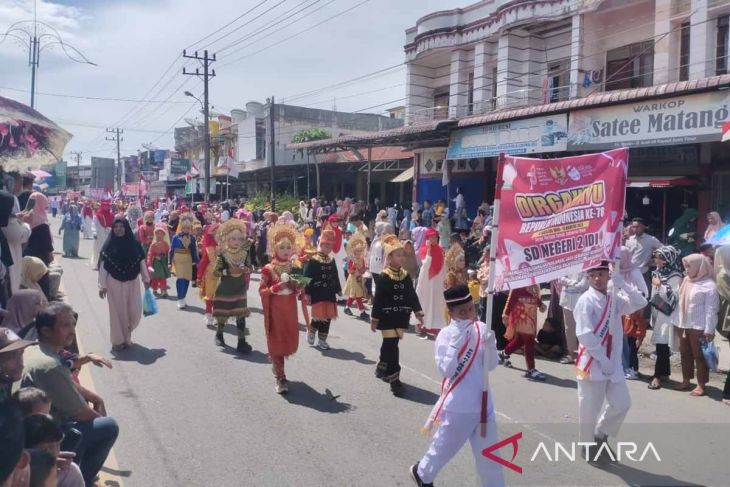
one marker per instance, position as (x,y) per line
(342,354)
(140,354)
(421,396)
(254,356)
(302,394)
(633,476)
(195,309)
(117,473)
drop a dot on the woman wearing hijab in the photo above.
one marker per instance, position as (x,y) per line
(698,308)
(40,242)
(36,276)
(714,223)
(71,228)
(121,263)
(16,233)
(23,307)
(665,282)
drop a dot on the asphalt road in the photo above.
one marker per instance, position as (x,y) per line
(193,414)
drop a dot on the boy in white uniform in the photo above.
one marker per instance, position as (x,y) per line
(600,373)
(461,349)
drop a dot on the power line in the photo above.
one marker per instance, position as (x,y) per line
(297,33)
(91,98)
(228,24)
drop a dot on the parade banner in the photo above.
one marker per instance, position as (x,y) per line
(558,216)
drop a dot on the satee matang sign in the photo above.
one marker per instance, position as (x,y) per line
(680,120)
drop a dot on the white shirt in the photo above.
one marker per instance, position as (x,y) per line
(467,397)
(376,257)
(572,286)
(587,312)
(225,215)
(642,249)
(702,308)
(459,201)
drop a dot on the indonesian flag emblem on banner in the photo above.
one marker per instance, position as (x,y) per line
(725,132)
(558,216)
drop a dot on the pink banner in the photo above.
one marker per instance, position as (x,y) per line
(558,216)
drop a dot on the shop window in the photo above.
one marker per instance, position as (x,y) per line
(558,81)
(630,66)
(684,52)
(721,53)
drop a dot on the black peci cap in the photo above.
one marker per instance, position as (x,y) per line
(457,295)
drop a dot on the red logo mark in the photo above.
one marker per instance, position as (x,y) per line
(487,452)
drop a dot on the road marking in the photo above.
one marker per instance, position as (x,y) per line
(105,478)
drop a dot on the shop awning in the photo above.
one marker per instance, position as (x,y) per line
(406,175)
(661,182)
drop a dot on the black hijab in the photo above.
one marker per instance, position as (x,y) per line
(7,201)
(121,255)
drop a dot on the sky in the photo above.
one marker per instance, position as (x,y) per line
(137,43)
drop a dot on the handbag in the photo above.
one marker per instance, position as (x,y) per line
(661,305)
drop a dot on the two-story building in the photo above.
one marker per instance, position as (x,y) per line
(559,77)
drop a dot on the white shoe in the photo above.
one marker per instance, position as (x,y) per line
(181,304)
(323,345)
(631,374)
(281,387)
(209,321)
(310,338)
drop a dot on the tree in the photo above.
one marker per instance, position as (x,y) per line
(309,135)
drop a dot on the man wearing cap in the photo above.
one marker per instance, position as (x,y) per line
(11,360)
(600,373)
(462,348)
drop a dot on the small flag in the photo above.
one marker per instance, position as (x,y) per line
(725,132)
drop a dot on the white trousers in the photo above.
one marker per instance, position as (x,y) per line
(125,309)
(451,434)
(591,398)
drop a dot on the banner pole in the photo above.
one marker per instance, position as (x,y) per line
(491,285)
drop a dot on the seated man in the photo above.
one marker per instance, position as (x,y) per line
(11,360)
(549,342)
(56,326)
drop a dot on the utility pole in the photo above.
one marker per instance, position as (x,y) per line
(33,54)
(78,171)
(273,153)
(206,75)
(116,138)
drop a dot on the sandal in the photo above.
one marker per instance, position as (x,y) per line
(682,387)
(726,402)
(654,387)
(698,393)
(566,360)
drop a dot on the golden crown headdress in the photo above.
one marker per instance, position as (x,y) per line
(279,232)
(391,243)
(227,227)
(452,255)
(355,242)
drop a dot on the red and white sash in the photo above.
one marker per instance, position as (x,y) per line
(466,357)
(602,331)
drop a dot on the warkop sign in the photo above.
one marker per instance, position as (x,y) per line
(681,120)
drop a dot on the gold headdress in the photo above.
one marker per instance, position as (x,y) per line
(356,241)
(280,232)
(453,255)
(390,243)
(229,226)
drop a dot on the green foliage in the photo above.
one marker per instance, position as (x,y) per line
(284,202)
(309,135)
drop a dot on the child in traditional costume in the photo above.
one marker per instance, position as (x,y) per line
(183,254)
(323,289)
(356,267)
(520,318)
(146,231)
(456,273)
(232,265)
(394,301)
(198,234)
(207,280)
(465,404)
(338,247)
(157,263)
(279,289)
(430,287)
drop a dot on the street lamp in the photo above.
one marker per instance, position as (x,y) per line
(187,93)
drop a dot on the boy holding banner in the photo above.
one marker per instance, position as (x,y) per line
(462,348)
(600,373)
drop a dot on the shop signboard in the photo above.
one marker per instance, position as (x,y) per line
(178,167)
(687,119)
(529,136)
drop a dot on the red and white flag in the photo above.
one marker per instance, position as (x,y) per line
(725,132)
